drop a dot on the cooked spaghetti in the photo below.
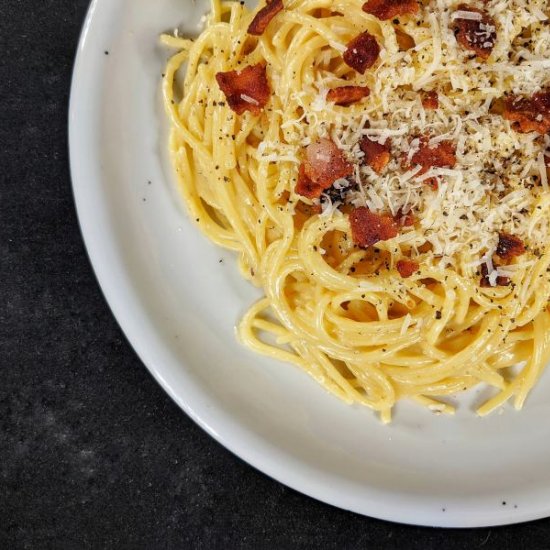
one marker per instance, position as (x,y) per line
(381,168)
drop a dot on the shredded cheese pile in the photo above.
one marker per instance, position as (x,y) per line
(500,174)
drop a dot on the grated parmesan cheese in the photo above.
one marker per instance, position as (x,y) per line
(249,99)
(470,15)
(499,175)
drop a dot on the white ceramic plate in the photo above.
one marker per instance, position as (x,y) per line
(178,306)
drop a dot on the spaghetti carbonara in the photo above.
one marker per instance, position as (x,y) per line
(381,169)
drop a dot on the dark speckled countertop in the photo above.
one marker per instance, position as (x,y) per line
(93,454)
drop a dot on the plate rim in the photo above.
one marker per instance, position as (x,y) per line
(225,430)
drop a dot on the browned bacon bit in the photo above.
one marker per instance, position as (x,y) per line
(306,187)
(404,41)
(432,183)
(441,155)
(430,100)
(367,228)
(388,9)
(245,90)
(325,163)
(497,106)
(362,52)
(484,282)
(346,95)
(377,156)
(529,114)
(404,220)
(476,35)
(264,16)
(509,246)
(407,267)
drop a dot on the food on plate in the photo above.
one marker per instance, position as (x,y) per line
(381,169)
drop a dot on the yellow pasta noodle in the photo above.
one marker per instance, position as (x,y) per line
(342,313)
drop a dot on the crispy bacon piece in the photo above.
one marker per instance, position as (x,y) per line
(388,9)
(441,155)
(404,41)
(377,155)
(323,165)
(362,52)
(404,220)
(346,95)
(509,246)
(484,282)
(264,16)
(246,89)
(497,106)
(478,36)
(306,187)
(430,100)
(407,267)
(367,228)
(529,114)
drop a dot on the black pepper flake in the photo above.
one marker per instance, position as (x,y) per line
(438,314)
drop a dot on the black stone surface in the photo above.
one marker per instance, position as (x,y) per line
(93,454)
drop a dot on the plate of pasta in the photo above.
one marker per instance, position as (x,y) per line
(324,225)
